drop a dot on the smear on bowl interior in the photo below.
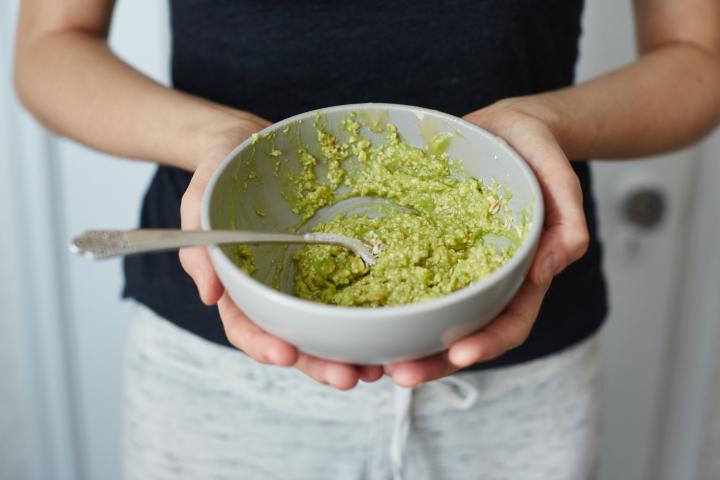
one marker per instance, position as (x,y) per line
(448,231)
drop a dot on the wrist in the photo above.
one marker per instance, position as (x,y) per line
(207,133)
(213,134)
(548,108)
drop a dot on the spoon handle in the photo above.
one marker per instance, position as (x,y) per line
(99,244)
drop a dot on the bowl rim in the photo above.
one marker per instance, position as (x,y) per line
(321,309)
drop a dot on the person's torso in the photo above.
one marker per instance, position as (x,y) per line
(280,58)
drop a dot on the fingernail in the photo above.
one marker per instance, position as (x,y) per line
(275,357)
(332,375)
(404,379)
(463,358)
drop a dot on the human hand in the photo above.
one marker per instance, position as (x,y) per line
(216,143)
(529,128)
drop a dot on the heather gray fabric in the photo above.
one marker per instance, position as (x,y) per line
(197,410)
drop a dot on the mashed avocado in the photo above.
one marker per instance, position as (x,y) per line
(448,230)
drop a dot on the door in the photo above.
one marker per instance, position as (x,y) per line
(644,217)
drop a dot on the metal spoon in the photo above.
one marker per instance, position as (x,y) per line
(99,244)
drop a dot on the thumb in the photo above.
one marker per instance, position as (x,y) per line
(196,260)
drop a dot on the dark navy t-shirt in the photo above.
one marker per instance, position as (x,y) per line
(280,58)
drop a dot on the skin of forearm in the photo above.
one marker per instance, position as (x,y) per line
(77,87)
(667,99)
(74,84)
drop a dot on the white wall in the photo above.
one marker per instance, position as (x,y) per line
(63,326)
(35,404)
(14,451)
(99,191)
(14,441)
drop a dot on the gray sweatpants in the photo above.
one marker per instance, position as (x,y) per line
(196,410)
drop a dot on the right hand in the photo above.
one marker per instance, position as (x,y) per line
(239,328)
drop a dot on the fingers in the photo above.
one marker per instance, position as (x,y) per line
(565,238)
(560,245)
(196,260)
(196,263)
(251,339)
(342,376)
(415,372)
(509,330)
(268,349)
(370,373)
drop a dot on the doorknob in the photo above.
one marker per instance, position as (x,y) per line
(644,207)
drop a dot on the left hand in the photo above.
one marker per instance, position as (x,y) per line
(523,125)
(214,142)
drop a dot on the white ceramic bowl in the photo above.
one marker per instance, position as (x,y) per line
(357,334)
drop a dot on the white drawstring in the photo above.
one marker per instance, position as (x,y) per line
(401,428)
(460,393)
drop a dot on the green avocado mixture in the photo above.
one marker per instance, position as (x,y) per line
(447,230)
